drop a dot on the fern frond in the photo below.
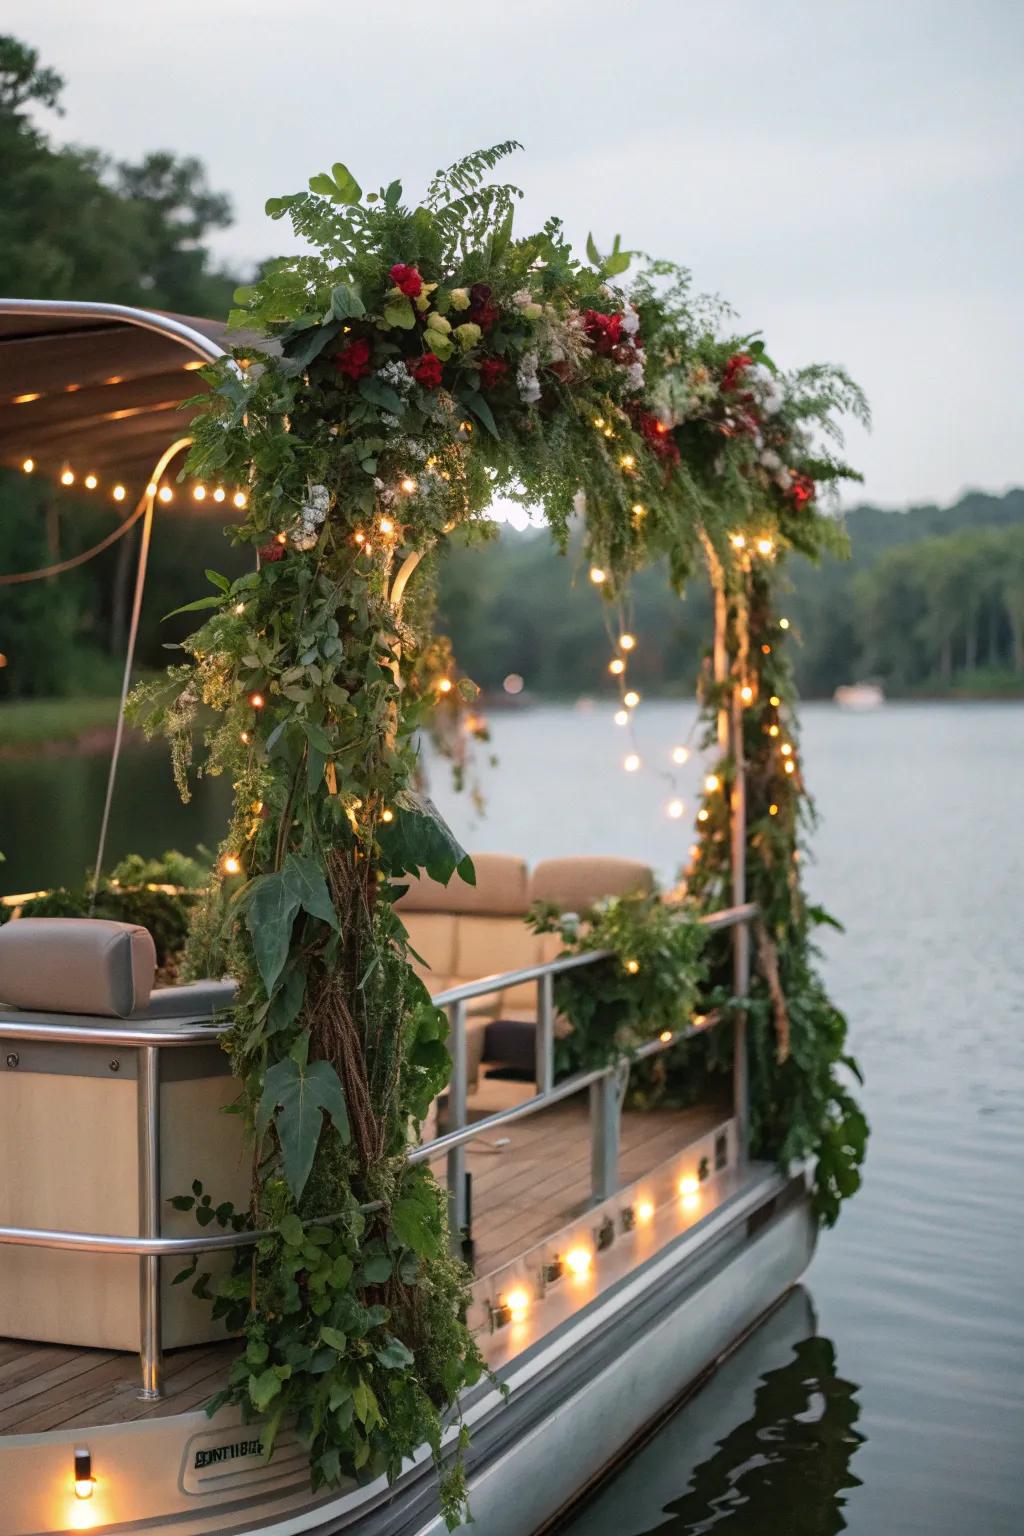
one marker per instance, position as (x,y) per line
(466,174)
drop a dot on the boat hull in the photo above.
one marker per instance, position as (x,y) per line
(576,1397)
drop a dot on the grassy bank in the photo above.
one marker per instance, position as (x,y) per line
(26,723)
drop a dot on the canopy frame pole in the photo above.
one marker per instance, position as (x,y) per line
(149,499)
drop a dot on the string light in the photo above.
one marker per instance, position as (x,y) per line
(119,493)
(387,815)
(738,541)
(675,809)
(359,536)
(632,966)
(786,749)
(231,864)
(639,510)
(773,809)
(746,693)
(783,623)
(244,738)
(627,462)
(219,493)
(631,762)
(408,485)
(766,649)
(165,494)
(627,642)
(680,754)
(775,701)
(67,477)
(631,699)
(151,488)
(789,765)
(282,538)
(579,1261)
(386,526)
(28,465)
(599,422)
(773,730)
(239,607)
(616,666)
(597,575)
(239,499)
(444,685)
(665,1036)
(712,782)
(256,700)
(199,492)
(90,482)
(622,717)
(703,814)
(765,546)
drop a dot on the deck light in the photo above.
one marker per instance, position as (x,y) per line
(675,809)
(631,762)
(680,754)
(598,575)
(783,623)
(616,666)
(119,493)
(28,465)
(627,642)
(579,1261)
(622,717)
(165,494)
(84,1480)
(689,1191)
(239,499)
(231,864)
(644,1211)
(67,477)
(712,782)
(518,1303)
(631,699)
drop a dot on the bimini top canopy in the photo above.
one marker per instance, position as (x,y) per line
(97,387)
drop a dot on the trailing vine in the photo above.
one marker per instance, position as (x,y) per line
(416,362)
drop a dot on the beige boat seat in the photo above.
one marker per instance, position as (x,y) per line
(69,1129)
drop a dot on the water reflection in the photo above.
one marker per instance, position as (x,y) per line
(782,1469)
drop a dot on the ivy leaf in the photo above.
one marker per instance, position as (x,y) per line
(263,1389)
(377,1269)
(296,1096)
(394,1356)
(271,903)
(346,303)
(420,838)
(305,880)
(334,1339)
(414,1222)
(376,393)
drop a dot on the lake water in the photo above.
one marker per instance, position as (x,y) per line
(887,1395)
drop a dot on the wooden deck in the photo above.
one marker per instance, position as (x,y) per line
(522,1193)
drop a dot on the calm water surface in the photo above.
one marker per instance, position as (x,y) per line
(887,1395)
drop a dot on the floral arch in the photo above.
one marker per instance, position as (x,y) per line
(419,361)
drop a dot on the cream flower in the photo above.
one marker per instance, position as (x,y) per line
(460,298)
(468,335)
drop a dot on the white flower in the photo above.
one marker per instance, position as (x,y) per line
(771,460)
(396,375)
(388,420)
(579,502)
(635,375)
(523,296)
(303,538)
(772,402)
(317,505)
(630,320)
(527,380)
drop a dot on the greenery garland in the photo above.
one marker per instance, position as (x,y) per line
(417,363)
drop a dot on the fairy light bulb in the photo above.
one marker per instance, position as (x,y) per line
(599,422)
(627,642)
(67,477)
(239,608)
(256,701)
(703,814)
(387,814)
(773,809)
(765,546)
(631,762)
(773,730)
(28,465)
(639,510)
(239,499)
(746,693)
(789,765)
(231,864)
(680,755)
(738,540)
(665,1036)
(199,493)
(165,494)
(712,782)
(359,536)
(622,717)
(627,462)
(219,493)
(786,749)
(386,526)
(90,482)
(631,699)
(783,623)
(119,493)
(632,966)
(444,685)
(775,701)
(598,575)
(408,485)
(675,809)
(244,738)
(616,666)
(151,488)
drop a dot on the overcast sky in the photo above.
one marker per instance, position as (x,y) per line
(846,172)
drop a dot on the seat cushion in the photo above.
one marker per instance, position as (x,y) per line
(432,936)
(575,884)
(82,965)
(501,889)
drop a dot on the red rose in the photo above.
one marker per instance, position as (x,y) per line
(268,553)
(802,490)
(482,310)
(604,331)
(658,434)
(733,369)
(354,358)
(492,370)
(426,370)
(406,279)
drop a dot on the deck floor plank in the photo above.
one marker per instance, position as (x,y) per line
(522,1194)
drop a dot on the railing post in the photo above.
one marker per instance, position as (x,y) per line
(741,931)
(150,1336)
(606,1097)
(458,1090)
(544,1041)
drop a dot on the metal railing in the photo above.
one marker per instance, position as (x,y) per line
(605,1084)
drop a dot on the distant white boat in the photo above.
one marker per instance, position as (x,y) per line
(859,696)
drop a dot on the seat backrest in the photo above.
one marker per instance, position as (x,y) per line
(80,965)
(575,884)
